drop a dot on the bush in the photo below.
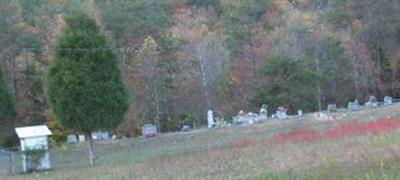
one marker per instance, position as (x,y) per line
(11,141)
(34,158)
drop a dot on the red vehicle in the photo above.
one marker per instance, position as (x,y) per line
(149,130)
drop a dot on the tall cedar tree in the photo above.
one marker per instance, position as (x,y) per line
(7,109)
(85,85)
(289,84)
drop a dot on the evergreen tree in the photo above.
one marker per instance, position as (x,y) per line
(288,84)
(7,109)
(85,86)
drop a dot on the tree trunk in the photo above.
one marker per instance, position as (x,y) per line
(319,91)
(15,84)
(205,86)
(355,75)
(91,150)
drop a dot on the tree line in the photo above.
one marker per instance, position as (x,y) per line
(179,58)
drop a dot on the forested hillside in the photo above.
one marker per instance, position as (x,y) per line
(183,57)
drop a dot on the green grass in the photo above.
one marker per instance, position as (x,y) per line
(375,170)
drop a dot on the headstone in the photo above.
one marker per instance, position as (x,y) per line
(243,119)
(210,119)
(353,106)
(185,128)
(264,110)
(281,113)
(387,100)
(300,112)
(372,102)
(81,138)
(101,136)
(220,122)
(332,108)
(72,139)
(250,121)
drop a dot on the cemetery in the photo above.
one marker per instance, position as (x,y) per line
(199,89)
(297,131)
(35,138)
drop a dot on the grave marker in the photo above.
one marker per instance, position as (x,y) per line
(387,100)
(210,119)
(332,108)
(72,139)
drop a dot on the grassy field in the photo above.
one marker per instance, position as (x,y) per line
(351,145)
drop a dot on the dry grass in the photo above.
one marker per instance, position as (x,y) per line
(241,153)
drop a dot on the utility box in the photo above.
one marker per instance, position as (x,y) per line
(35,147)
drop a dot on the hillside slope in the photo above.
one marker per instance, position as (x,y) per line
(365,144)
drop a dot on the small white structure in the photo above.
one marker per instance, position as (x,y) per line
(34,144)
(210,119)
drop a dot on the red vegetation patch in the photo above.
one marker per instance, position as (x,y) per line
(344,129)
(297,135)
(349,128)
(356,127)
(381,125)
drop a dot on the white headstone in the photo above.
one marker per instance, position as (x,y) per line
(71,138)
(332,108)
(101,135)
(210,119)
(353,106)
(264,110)
(372,102)
(387,100)
(300,112)
(281,113)
(81,138)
